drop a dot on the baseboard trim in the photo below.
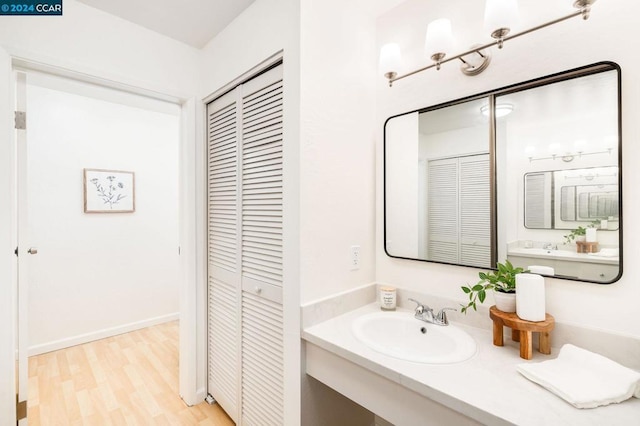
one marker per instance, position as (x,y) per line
(100,334)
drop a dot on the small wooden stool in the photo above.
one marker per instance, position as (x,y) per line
(586,247)
(522,331)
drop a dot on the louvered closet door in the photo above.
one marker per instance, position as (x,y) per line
(245,251)
(262,327)
(475,211)
(442,220)
(224,262)
(537,186)
(459,210)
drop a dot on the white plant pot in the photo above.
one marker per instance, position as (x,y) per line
(506,302)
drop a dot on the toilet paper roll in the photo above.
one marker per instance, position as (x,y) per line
(530,303)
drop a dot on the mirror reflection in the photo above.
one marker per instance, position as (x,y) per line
(557,178)
(438,185)
(558,199)
(553,199)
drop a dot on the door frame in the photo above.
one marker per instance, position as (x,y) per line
(192,366)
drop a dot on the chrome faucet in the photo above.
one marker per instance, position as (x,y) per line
(549,246)
(425,313)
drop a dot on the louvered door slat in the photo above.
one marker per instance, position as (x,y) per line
(272,137)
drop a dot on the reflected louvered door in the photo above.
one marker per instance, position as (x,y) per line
(459,210)
(262,328)
(535,215)
(245,251)
(442,219)
(224,259)
(475,210)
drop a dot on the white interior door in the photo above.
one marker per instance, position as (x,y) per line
(24,250)
(8,242)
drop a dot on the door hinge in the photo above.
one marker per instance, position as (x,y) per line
(20,120)
(16,251)
(21,409)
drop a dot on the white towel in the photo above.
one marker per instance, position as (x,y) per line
(583,378)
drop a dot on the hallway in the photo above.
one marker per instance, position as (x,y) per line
(130,379)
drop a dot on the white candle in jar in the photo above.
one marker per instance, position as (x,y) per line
(388,298)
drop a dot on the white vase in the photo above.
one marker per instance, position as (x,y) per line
(506,302)
(530,303)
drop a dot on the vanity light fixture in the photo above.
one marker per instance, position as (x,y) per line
(499,17)
(567,157)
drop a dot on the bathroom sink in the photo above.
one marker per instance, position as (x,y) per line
(400,335)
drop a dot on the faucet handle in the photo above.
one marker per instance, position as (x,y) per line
(442,315)
(420,308)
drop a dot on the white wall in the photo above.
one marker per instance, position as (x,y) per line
(337,145)
(610,34)
(99,274)
(93,42)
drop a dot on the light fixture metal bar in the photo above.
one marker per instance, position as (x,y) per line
(582,12)
(570,154)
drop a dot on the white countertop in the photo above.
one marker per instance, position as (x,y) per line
(567,255)
(486,387)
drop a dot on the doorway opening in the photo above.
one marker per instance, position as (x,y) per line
(95,275)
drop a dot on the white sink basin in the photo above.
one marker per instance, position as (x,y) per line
(400,335)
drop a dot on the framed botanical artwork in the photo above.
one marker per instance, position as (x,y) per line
(109,191)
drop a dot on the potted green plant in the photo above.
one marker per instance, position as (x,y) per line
(579,233)
(502,281)
(575,234)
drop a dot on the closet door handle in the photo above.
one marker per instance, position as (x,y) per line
(32,250)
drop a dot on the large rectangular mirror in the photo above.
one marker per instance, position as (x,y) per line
(518,173)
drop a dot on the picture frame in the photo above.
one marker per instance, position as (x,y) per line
(109,191)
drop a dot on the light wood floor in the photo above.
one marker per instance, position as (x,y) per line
(131,379)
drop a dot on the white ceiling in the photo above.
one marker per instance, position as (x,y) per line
(193,22)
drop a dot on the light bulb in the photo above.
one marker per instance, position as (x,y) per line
(390,59)
(439,38)
(500,16)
